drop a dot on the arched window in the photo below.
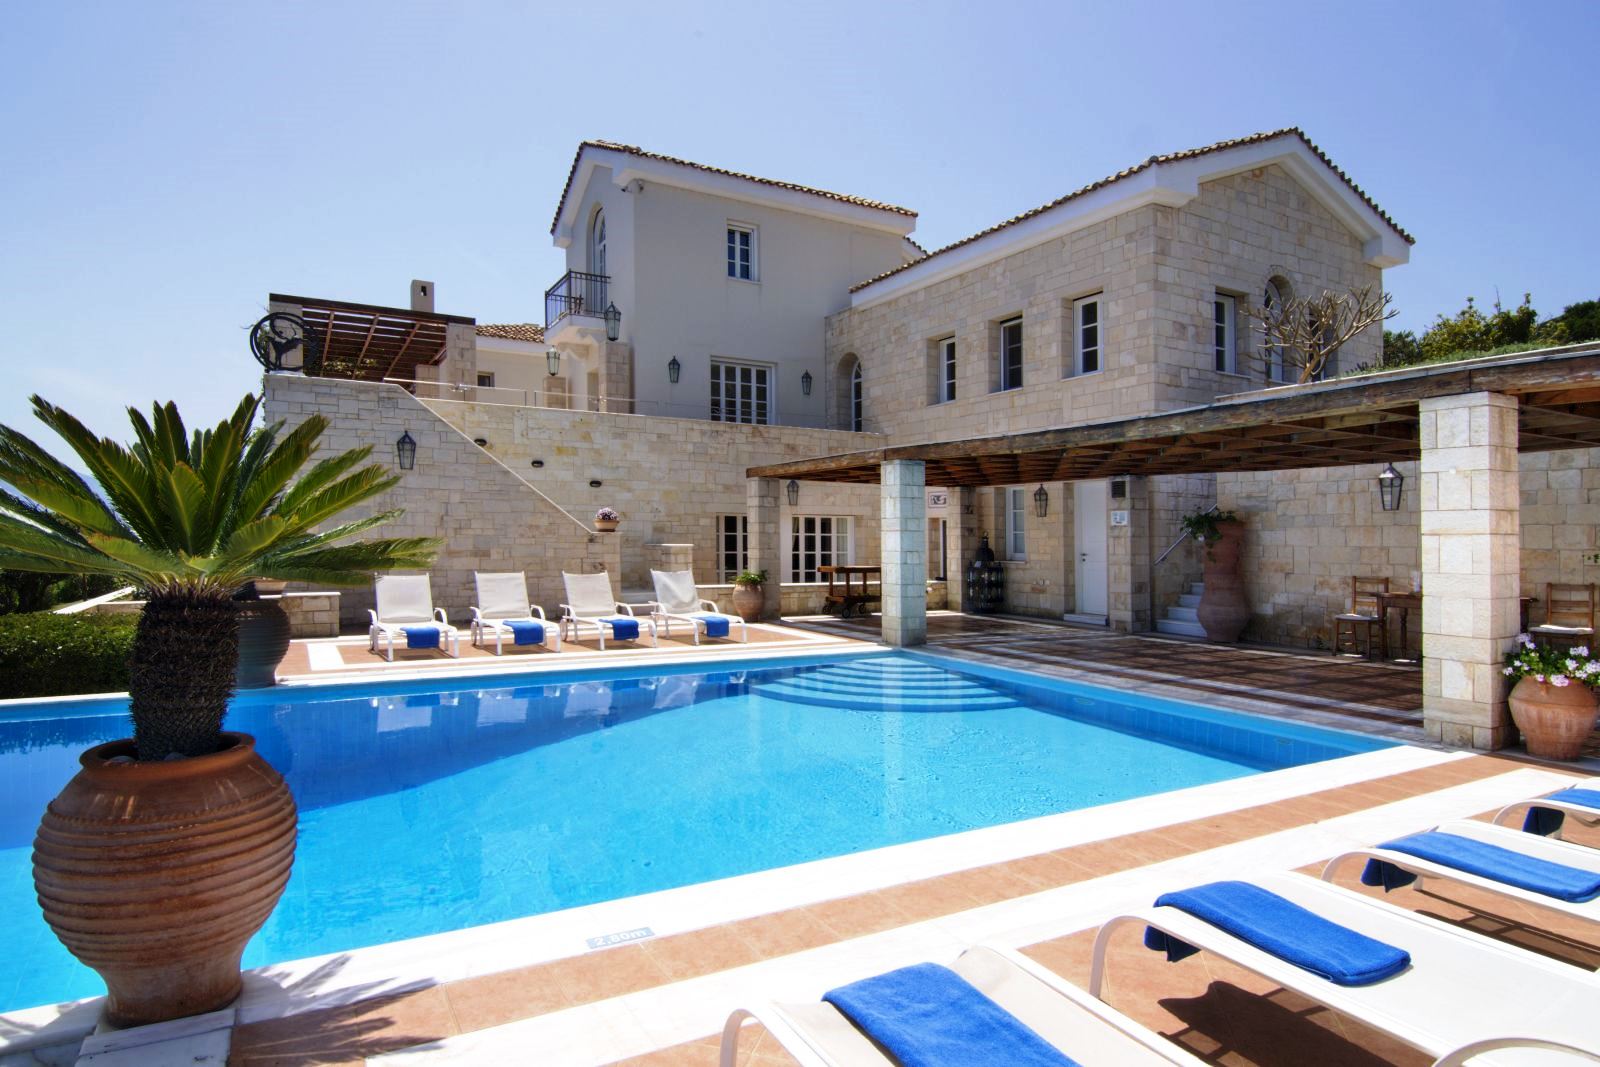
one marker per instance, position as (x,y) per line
(597,243)
(857,408)
(1273,297)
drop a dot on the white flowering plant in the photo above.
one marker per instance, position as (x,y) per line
(1557,666)
(608,515)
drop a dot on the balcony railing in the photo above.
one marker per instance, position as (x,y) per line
(577,293)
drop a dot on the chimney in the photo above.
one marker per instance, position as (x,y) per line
(421,295)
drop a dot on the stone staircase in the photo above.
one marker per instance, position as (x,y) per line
(1181,618)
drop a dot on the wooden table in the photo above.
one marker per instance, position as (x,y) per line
(852,599)
(1404,603)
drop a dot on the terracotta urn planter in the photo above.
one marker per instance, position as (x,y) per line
(156,874)
(263,641)
(1554,720)
(747,601)
(1223,612)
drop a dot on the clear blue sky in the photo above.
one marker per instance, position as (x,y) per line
(167,165)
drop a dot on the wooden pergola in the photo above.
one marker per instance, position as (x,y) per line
(369,342)
(1365,419)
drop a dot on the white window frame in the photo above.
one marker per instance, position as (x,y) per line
(732,546)
(752,402)
(804,558)
(486,379)
(1081,351)
(946,349)
(1006,384)
(744,259)
(1224,339)
(1015,499)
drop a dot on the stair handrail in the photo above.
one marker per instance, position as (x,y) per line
(1181,539)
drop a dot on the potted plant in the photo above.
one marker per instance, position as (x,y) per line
(747,596)
(1553,701)
(1223,612)
(168,850)
(606,519)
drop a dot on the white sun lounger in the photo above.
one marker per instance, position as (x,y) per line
(590,602)
(1460,988)
(406,600)
(1583,813)
(1531,845)
(677,597)
(1085,1029)
(503,600)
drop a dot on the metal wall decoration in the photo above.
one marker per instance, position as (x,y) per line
(281,341)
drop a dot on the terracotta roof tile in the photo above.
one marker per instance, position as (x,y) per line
(513,331)
(633,150)
(1190,153)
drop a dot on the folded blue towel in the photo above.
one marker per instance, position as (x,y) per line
(422,636)
(716,625)
(623,628)
(1572,884)
(1284,929)
(929,1016)
(526,632)
(1547,821)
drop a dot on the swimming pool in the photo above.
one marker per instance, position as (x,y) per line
(439,805)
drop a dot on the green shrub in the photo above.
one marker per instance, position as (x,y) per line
(43,655)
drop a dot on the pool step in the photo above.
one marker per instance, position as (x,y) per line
(857,681)
(953,698)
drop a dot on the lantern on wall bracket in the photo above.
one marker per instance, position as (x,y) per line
(793,489)
(613,322)
(552,361)
(805,383)
(1390,483)
(674,368)
(405,451)
(1041,501)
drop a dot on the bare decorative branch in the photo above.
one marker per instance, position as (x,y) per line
(1304,332)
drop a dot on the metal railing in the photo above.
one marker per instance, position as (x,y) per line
(577,293)
(1181,539)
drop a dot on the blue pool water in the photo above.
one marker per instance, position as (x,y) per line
(425,811)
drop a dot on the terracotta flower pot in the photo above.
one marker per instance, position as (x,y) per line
(1223,612)
(606,525)
(263,641)
(156,874)
(1554,719)
(747,601)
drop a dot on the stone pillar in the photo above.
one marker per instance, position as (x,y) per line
(1471,565)
(961,542)
(904,529)
(616,377)
(766,541)
(460,363)
(1128,558)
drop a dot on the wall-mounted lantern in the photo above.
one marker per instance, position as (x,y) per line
(1041,501)
(674,368)
(613,322)
(552,360)
(405,451)
(793,489)
(805,383)
(1390,482)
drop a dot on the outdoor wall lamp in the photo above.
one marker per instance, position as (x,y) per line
(406,451)
(536,463)
(805,383)
(595,483)
(793,489)
(1390,482)
(1041,501)
(552,360)
(613,322)
(674,368)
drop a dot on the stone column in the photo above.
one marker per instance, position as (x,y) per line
(616,376)
(904,528)
(961,542)
(766,542)
(1471,565)
(1128,558)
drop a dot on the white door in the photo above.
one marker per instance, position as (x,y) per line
(1089,542)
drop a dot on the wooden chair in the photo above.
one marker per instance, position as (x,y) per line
(1568,614)
(1363,614)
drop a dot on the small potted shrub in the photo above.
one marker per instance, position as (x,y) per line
(747,595)
(606,519)
(1223,611)
(1553,701)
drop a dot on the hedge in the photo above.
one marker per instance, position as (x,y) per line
(43,654)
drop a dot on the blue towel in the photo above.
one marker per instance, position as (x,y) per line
(526,632)
(422,636)
(1572,884)
(929,1016)
(623,628)
(716,625)
(1284,929)
(1547,821)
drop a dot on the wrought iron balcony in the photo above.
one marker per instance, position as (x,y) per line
(577,293)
